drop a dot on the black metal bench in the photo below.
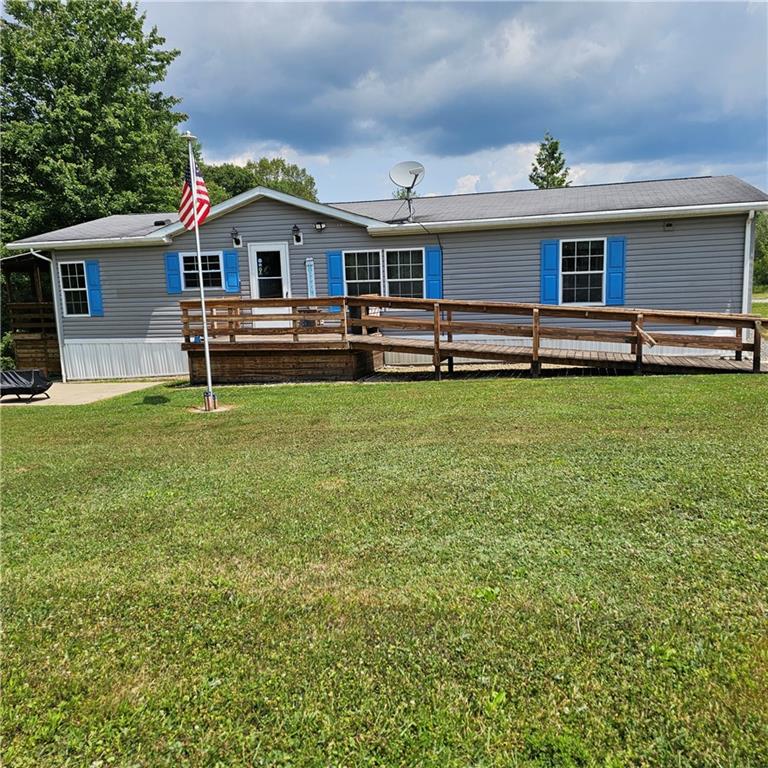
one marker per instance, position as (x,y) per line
(30,383)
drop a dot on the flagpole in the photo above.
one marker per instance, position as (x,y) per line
(209,400)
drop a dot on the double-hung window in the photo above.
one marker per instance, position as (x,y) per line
(362,272)
(211,263)
(74,287)
(405,273)
(398,272)
(582,266)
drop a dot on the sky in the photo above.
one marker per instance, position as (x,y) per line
(631,90)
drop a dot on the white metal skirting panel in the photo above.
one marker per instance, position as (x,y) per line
(407,358)
(123,358)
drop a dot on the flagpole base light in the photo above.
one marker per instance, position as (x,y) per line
(209,399)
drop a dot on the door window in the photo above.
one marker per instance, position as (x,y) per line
(270,275)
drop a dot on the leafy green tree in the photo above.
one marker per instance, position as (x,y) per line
(549,169)
(400,193)
(85,132)
(227,179)
(760,277)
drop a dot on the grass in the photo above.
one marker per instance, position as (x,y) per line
(562,572)
(760,307)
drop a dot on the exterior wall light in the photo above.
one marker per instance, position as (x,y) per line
(298,238)
(320,226)
(237,241)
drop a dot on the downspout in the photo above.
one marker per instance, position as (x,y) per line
(55,287)
(749,248)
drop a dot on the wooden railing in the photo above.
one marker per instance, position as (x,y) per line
(442,321)
(32,317)
(637,336)
(231,318)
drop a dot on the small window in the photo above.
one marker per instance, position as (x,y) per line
(211,263)
(74,286)
(405,273)
(362,272)
(582,267)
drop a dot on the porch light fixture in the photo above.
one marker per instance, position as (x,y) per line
(237,241)
(320,226)
(298,238)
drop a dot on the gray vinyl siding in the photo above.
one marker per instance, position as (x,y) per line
(697,265)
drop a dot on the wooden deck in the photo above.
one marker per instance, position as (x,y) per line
(345,337)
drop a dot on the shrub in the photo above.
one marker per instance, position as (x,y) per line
(7,357)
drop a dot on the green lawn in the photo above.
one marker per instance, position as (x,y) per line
(554,572)
(760,308)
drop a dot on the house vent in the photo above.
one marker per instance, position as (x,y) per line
(162,222)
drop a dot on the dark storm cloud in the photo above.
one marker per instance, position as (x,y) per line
(616,82)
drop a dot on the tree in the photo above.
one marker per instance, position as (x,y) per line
(85,132)
(227,179)
(549,169)
(401,193)
(760,277)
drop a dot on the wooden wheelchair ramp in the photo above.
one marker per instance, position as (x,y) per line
(342,338)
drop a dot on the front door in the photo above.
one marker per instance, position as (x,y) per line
(270,277)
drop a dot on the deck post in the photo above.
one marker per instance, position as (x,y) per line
(344,319)
(436,352)
(535,364)
(185,323)
(757,346)
(637,326)
(232,313)
(449,337)
(739,341)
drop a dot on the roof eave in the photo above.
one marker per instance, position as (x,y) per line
(258,193)
(468,225)
(110,242)
(165,235)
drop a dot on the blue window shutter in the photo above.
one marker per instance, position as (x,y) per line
(93,276)
(335,266)
(615,270)
(172,273)
(231,272)
(549,280)
(433,269)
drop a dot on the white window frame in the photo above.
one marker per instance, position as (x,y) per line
(423,270)
(600,303)
(220,254)
(64,290)
(361,250)
(383,279)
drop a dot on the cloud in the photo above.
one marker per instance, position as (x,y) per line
(269,149)
(466,184)
(622,85)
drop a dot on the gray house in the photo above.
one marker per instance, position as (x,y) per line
(682,244)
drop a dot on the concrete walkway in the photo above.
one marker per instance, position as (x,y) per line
(81,392)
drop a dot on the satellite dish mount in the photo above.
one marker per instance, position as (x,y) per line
(407,175)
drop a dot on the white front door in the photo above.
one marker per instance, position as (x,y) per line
(270,277)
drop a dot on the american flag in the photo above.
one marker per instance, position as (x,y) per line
(186,212)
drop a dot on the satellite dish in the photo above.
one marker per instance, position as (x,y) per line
(407,174)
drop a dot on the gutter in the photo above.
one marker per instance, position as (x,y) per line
(749,251)
(108,242)
(551,219)
(55,288)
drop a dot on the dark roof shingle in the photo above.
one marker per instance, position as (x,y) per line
(704,190)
